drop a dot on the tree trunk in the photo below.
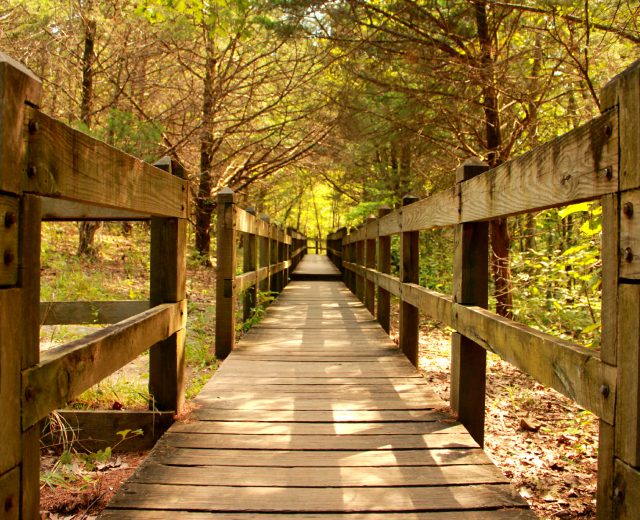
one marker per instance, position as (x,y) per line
(204,205)
(87,230)
(500,239)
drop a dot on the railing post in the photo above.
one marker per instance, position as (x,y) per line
(264,254)
(370,262)
(226,275)
(470,287)
(249,263)
(384,266)
(409,273)
(282,275)
(342,232)
(273,259)
(359,246)
(19,292)
(619,449)
(168,285)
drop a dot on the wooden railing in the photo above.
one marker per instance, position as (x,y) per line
(49,171)
(270,253)
(316,246)
(600,160)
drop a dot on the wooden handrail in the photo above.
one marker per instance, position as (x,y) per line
(600,160)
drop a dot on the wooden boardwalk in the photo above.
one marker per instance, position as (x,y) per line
(316,414)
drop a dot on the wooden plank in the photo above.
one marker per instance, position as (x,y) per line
(390,224)
(627,419)
(10,494)
(335,370)
(9,228)
(433,304)
(626,491)
(319,442)
(94,430)
(611,216)
(97,312)
(61,210)
(227,498)
(19,87)
(440,209)
(249,264)
(621,97)
(470,287)
(571,370)
(437,425)
(296,403)
(371,228)
(225,274)
(246,222)
(580,165)
(383,266)
(628,252)
(606,470)
(328,459)
(66,163)
(390,381)
(168,284)
(313,416)
(144,514)
(301,389)
(318,477)
(27,343)
(409,273)
(11,328)
(68,370)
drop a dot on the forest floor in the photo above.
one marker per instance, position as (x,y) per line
(544,443)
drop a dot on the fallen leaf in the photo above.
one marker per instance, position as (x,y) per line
(529,425)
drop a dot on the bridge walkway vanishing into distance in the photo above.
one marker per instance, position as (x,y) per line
(317,414)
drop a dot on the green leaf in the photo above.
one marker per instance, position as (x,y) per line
(574,208)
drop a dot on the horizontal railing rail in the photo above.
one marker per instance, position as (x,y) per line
(598,161)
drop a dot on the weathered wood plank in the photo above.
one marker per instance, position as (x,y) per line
(318,477)
(627,419)
(61,210)
(10,494)
(226,498)
(440,423)
(11,311)
(69,164)
(571,370)
(164,454)
(19,87)
(225,327)
(470,287)
(383,266)
(409,319)
(9,230)
(580,165)
(626,491)
(337,416)
(440,209)
(628,241)
(66,371)
(96,312)
(294,403)
(319,442)
(143,514)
